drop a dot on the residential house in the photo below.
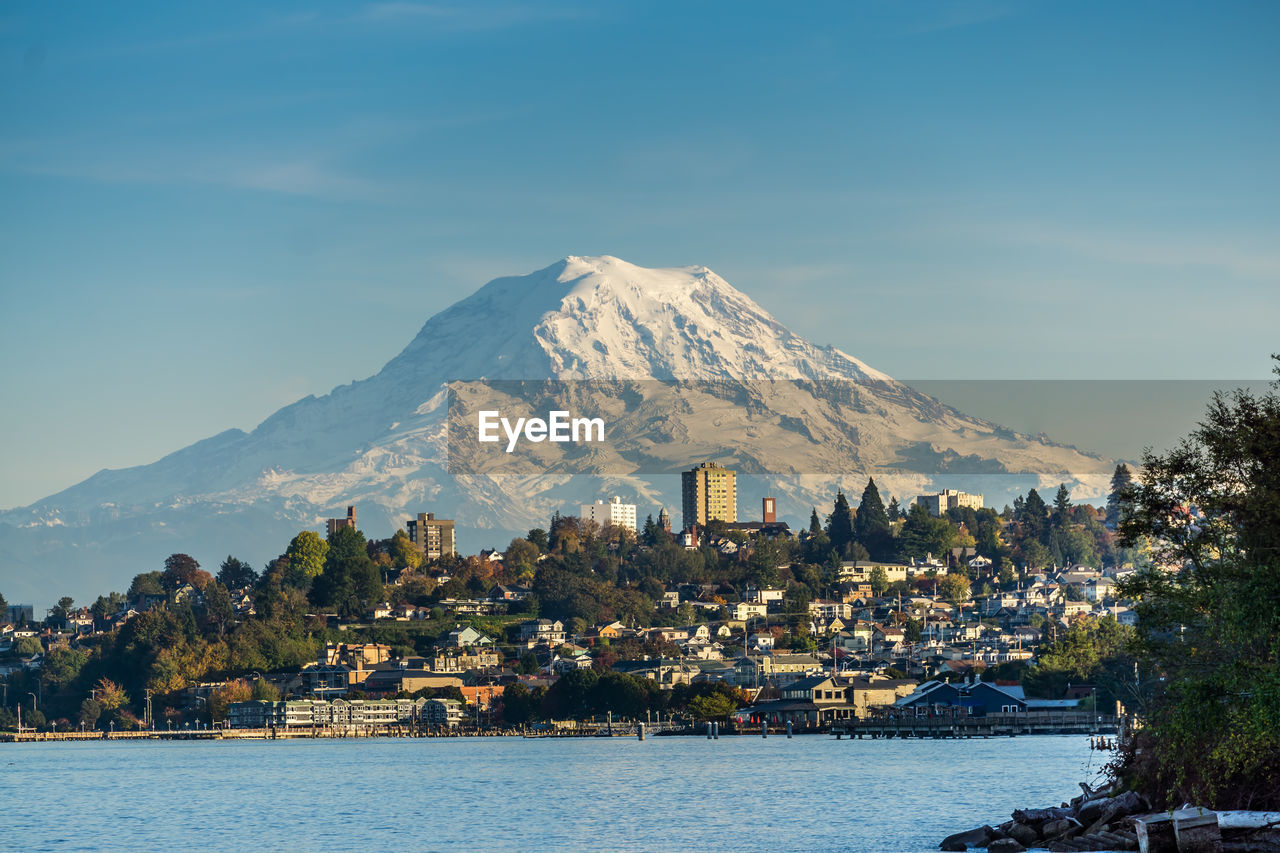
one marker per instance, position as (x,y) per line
(773,668)
(745,610)
(462,660)
(467,636)
(826,610)
(542,632)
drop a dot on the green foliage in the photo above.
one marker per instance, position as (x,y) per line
(61,666)
(714,706)
(520,705)
(521,556)
(871,527)
(1117,500)
(350,582)
(840,524)
(954,588)
(147,583)
(402,551)
(1092,651)
(922,534)
(27,646)
(306,556)
(236,574)
(1210,626)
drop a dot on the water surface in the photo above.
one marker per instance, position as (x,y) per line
(668,793)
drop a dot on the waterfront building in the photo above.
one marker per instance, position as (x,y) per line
(313,713)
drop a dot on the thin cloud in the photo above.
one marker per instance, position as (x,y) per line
(1168,251)
(469,16)
(952,16)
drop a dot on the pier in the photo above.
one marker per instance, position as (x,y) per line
(991,725)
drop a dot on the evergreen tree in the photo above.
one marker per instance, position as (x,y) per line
(236,574)
(1061,507)
(350,580)
(840,524)
(649,534)
(1035,519)
(815,526)
(895,511)
(871,526)
(922,534)
(1121,480)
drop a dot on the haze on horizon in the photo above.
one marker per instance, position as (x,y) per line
(211,212)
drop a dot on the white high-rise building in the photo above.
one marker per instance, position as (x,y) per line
(614,512)
(948,499)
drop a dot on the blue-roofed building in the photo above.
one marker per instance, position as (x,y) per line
(977,698)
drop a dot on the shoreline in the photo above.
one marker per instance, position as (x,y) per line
(406,733)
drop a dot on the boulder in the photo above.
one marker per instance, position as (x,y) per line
(1023,834)
(1061,828)
(964,840)
(1005,845)
(1091,810)
(1129,803)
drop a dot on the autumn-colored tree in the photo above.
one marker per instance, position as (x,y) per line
(402,551)
(180,570)
(232,691)
(954,588)
(110,695)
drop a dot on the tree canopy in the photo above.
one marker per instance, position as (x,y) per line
(1209,610)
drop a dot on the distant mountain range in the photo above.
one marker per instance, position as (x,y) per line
(381,443)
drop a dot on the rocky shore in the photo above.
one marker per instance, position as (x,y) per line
(1106,821)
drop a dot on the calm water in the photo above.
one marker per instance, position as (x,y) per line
(667,793)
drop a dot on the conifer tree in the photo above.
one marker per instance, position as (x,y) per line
(1062,507)
(1121,480)
(872,523)
(1035,518)
(840,524)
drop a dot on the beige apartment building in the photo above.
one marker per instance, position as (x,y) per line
(709,493)
(432,536)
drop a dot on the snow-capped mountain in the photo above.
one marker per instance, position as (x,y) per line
(380,443)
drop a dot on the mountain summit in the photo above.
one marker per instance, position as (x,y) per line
(603,318)
(380,443)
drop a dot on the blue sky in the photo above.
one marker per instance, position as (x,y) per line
(208,211)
